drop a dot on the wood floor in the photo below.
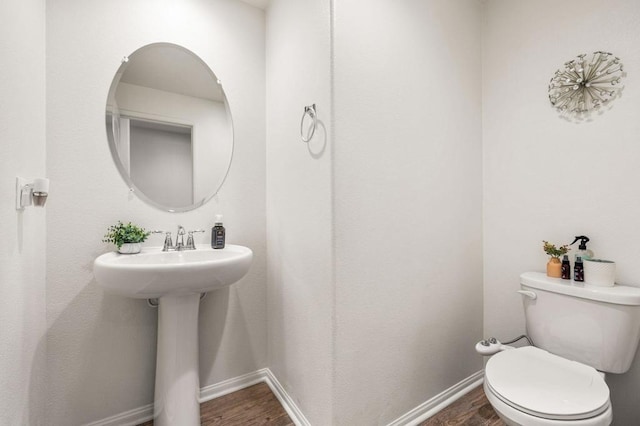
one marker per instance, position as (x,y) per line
(252,406)
(473,409)
(257,405)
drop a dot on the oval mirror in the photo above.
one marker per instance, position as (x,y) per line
(169,127)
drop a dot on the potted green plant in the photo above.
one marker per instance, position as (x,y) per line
(127,237)
(554,266)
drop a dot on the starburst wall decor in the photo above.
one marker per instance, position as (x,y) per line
(586,83)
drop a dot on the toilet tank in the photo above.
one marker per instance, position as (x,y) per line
(597,326)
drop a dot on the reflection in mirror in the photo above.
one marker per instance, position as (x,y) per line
(169,127)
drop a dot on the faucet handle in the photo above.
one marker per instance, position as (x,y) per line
(168,243)
(191,245)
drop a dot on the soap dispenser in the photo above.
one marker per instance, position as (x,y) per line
(583,252)
(218,234)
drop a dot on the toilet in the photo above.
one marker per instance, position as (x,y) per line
(580,332)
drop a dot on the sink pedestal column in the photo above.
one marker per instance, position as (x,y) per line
(177,391)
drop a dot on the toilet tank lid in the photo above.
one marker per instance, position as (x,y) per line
(618,294)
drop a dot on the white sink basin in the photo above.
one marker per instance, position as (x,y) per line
(153,273)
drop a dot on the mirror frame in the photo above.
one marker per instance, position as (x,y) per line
(112,145)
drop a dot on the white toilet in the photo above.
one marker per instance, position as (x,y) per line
(579,332)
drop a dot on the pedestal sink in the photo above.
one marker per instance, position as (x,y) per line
(176,278)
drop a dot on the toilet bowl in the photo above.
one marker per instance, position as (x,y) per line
(529,386)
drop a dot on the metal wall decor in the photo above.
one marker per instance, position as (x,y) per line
(586,83)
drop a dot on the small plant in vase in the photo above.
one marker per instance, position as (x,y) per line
(127,237)
(554,266)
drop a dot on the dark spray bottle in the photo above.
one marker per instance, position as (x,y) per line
(218,234)
(578,270)
(566,268)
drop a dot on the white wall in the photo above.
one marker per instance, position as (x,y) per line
(408,200)
(547,178)
(22,234)
(101,348)
(299,204)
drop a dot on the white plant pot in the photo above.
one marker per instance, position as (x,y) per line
(130,248)
(599,272)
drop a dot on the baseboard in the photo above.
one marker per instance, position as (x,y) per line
(285,400)
(128,418)
(264,375)
(207,393)
(438,402)
(234,384)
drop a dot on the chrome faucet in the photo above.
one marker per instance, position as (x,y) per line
(180,245)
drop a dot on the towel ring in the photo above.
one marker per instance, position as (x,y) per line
(311,112)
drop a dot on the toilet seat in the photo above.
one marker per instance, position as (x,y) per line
(556,388)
